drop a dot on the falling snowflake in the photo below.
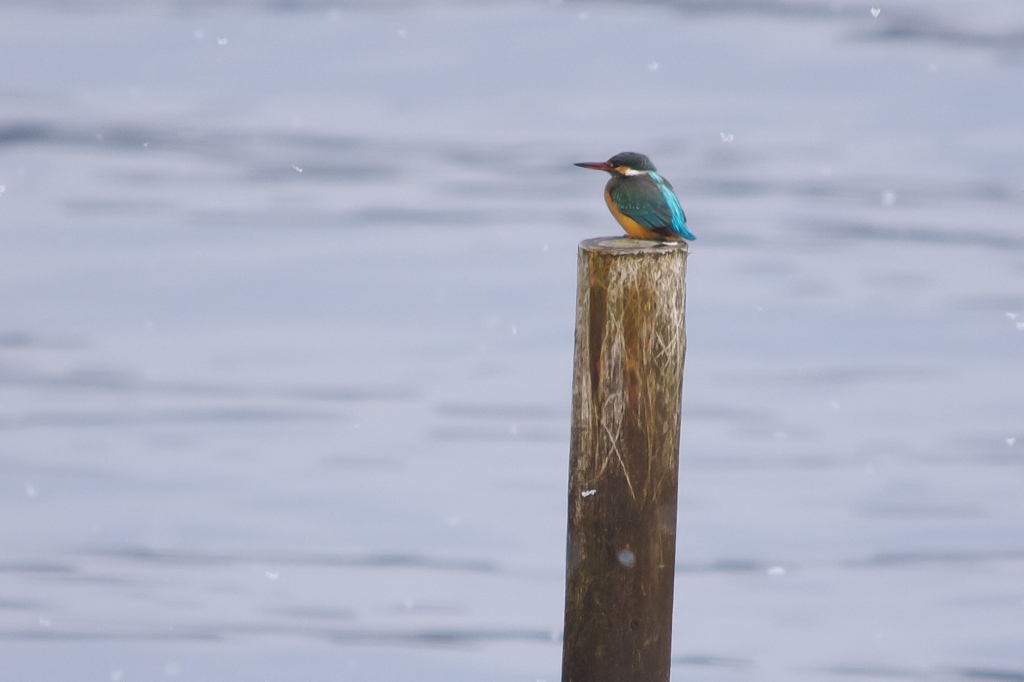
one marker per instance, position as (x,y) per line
(727,137)
(875,11)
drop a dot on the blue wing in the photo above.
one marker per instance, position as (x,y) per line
(678,224)
(649,200)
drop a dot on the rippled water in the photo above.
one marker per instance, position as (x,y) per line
(286,307)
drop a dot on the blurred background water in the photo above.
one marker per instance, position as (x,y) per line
(286,315)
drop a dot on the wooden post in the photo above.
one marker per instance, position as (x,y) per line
(624,460)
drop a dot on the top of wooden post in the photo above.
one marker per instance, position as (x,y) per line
(627,246)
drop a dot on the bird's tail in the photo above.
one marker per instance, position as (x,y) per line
(683,232)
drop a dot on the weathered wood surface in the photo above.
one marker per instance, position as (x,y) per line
(623,476)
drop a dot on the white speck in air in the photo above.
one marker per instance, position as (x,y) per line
(1010,442)
(297,169)
(875,11)
(30,490)
(888,198)
(222,41)
(273,575)
(653,66)
(588,493)
(776,570)
(727,137)
(626,558)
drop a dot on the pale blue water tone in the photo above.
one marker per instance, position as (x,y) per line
(286,306)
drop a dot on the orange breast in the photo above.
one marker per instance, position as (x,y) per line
(632,227)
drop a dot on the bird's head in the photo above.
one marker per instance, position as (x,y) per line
(624,163)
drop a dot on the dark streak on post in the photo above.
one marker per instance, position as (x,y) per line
(627,390)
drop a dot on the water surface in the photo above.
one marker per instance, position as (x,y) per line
(286,306)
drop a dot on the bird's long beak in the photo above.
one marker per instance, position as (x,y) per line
(598,165)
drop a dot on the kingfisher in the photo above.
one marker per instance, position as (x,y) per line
(641,200)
